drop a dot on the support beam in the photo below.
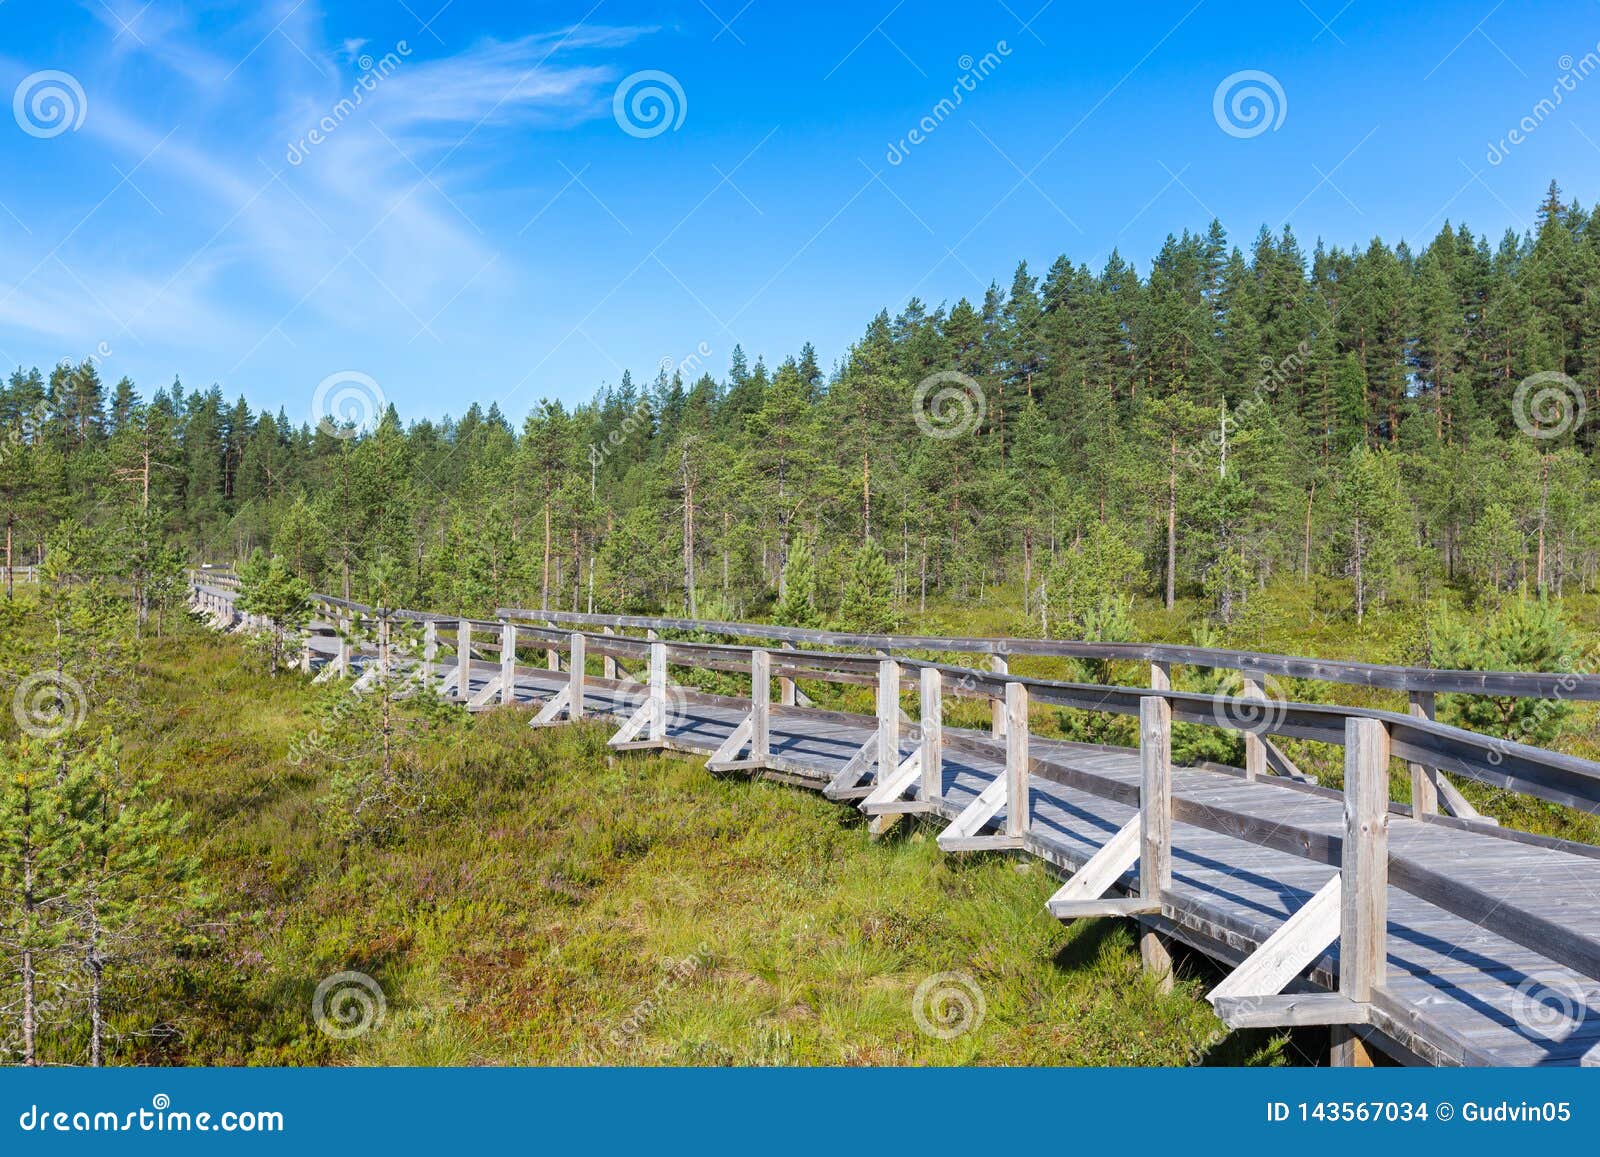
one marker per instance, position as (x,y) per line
(508,663)
(608,668)
(1296,945)
(760,704)
(997,707)
(1019,791)
(658,691)
(430,651)
(578,656)
(846,782)
(1296,1011)
(1255,752)
(1364,864)
(786,687)
(463,660)
(888,717)
(931,725)
(552,655)
(1155,826)
(1424,780)
(1100,873)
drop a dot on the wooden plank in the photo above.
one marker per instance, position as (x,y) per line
(1103,869)
(1298,1010)
(1424,782)
(657,701)
(579,654)
(891,789)
(846,783)
(888,716)
(931,725)
(974,816)
(1155,828)
(1255,755)
(1105,906)
(1293,948)
(463,659)
(1019,763)
(997,707)
(1364,865)
(760,704)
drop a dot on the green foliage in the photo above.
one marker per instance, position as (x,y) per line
(868,603)
(1523,635)
(269,588)
(1101,565)
(797,607)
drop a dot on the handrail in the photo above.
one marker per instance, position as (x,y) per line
(1559,778)
(1520,684)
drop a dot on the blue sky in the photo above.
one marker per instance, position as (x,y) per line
(486,224)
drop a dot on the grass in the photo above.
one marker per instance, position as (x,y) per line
(556,904)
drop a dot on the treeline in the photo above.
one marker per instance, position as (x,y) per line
(1381,422)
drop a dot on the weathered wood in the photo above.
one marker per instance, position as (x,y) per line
(1018,762)
(760,704)
(931,728)
(1102,870)
(1255,754)
(1309,1008)
(464,660)
(1289,951)
(658,691)
(1155,828)
(1364,865)
(846,783)
(786,686)
(1106,906)
(578,658)
(608,667)
(508,663)
(888,717)
(430,652)
(997,707)
(1424,781)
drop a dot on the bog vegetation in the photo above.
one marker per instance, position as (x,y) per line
(1377,454)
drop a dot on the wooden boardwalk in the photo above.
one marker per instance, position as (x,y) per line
(1253,858)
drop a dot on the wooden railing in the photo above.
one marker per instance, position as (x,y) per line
(1351,908)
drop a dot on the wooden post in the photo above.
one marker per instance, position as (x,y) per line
(786,688)
(577,657)
(1161,676)
(552,657)
(383,649)
(997,706)
(305,654)
(760,704)
(1255,752)
(1017,760)
(1364,862)
(344,627)
(931,724)
(430,651)
(463,659)
(1424,780)
(658,690)
(508,663)
(608,665)
(888,718)
(1155,824)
